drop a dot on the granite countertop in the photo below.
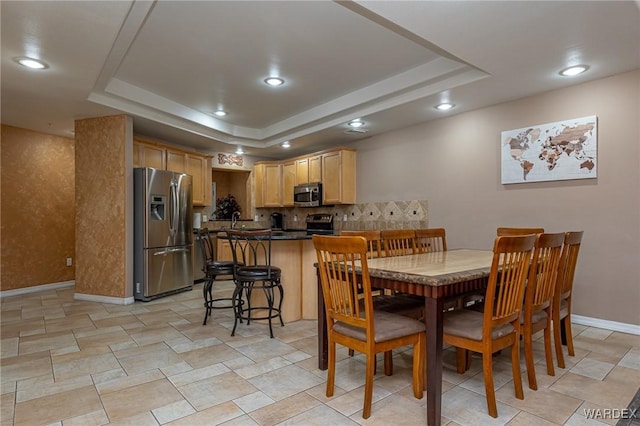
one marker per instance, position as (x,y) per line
(289,234)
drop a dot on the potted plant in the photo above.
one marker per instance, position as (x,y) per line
(226,206)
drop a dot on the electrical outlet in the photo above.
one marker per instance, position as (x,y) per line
(69,261)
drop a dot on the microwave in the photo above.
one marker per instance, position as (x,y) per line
(307,195)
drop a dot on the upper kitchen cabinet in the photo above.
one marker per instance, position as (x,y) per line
(309,169)
(289,178)
(198,167)
(339,177)
(336,169)
(149,155)
(268,184)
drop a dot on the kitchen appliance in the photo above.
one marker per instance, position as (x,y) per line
(276,221)
(308,195)
(197,220)
(163,233)
(319,223)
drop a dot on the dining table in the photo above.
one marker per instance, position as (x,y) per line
(440,277)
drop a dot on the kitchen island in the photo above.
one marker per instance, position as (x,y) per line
(293,252)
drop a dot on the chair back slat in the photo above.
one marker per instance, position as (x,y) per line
(398,242)
(206,246)
(374,241)
(568,262)
(340,283)
(543,273)
(431,240)
(506,232)
(507,278)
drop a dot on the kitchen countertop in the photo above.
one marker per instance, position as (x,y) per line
(292,234)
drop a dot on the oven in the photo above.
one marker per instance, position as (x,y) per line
(307,195)
(319,223)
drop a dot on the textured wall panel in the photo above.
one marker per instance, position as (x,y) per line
(101,206)
(38,211)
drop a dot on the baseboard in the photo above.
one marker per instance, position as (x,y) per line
(104,299)
(36,288)
(606,324)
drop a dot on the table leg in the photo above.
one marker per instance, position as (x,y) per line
(323,345)
(433,318)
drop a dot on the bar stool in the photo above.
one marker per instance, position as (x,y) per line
(212,269)
(253,270)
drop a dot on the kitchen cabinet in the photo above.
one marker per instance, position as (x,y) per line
(197,167)
(336,169)
(268,184)
(289,173)
(149,155)
(339,177)
(223,250)
(309,169)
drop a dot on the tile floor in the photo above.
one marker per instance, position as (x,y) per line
(69,362)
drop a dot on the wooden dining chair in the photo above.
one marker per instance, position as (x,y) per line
(374,240)
(398,242)
(538,300)
(498,327)
(402,304)
(561,311)
(505,232)
(361,327)
(430,240)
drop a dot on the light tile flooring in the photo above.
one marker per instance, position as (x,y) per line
(69,362)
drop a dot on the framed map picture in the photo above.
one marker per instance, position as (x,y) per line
(556,151)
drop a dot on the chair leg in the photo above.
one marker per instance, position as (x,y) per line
(368,385)
(547,350)
(388,364)
(528,356)
(463,360)
(331,367)
(281,290)
(515,367)
(206,294)
(487,368)
(237,307)
(418,371)
(557,340)
(568,335)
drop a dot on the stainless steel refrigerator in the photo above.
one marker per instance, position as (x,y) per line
(163,234)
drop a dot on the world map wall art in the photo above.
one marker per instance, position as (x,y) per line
(555,151)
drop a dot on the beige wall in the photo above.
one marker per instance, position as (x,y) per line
(454,163)
(38,208)
(104,186)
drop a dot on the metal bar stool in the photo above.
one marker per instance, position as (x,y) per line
(212,269)
(253,270)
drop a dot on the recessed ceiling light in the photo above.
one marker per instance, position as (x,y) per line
(356,123)
(574,70)
(31,63)
(285,144)
(239,150)
(220,113)
(446,106)
(274,81)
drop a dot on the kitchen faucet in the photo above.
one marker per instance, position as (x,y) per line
(234,218)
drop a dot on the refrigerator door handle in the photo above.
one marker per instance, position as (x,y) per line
(173,208)
(170,251)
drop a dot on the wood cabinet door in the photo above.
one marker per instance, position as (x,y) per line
(339,173)
(315,168)
(223,251)
(289,171)
(272,185)
(176,161)
(302,171)
(258,185)
(196,167)
(145,155)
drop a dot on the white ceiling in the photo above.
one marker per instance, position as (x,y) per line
(171,64)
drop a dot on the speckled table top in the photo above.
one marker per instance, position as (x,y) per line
(434,269)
